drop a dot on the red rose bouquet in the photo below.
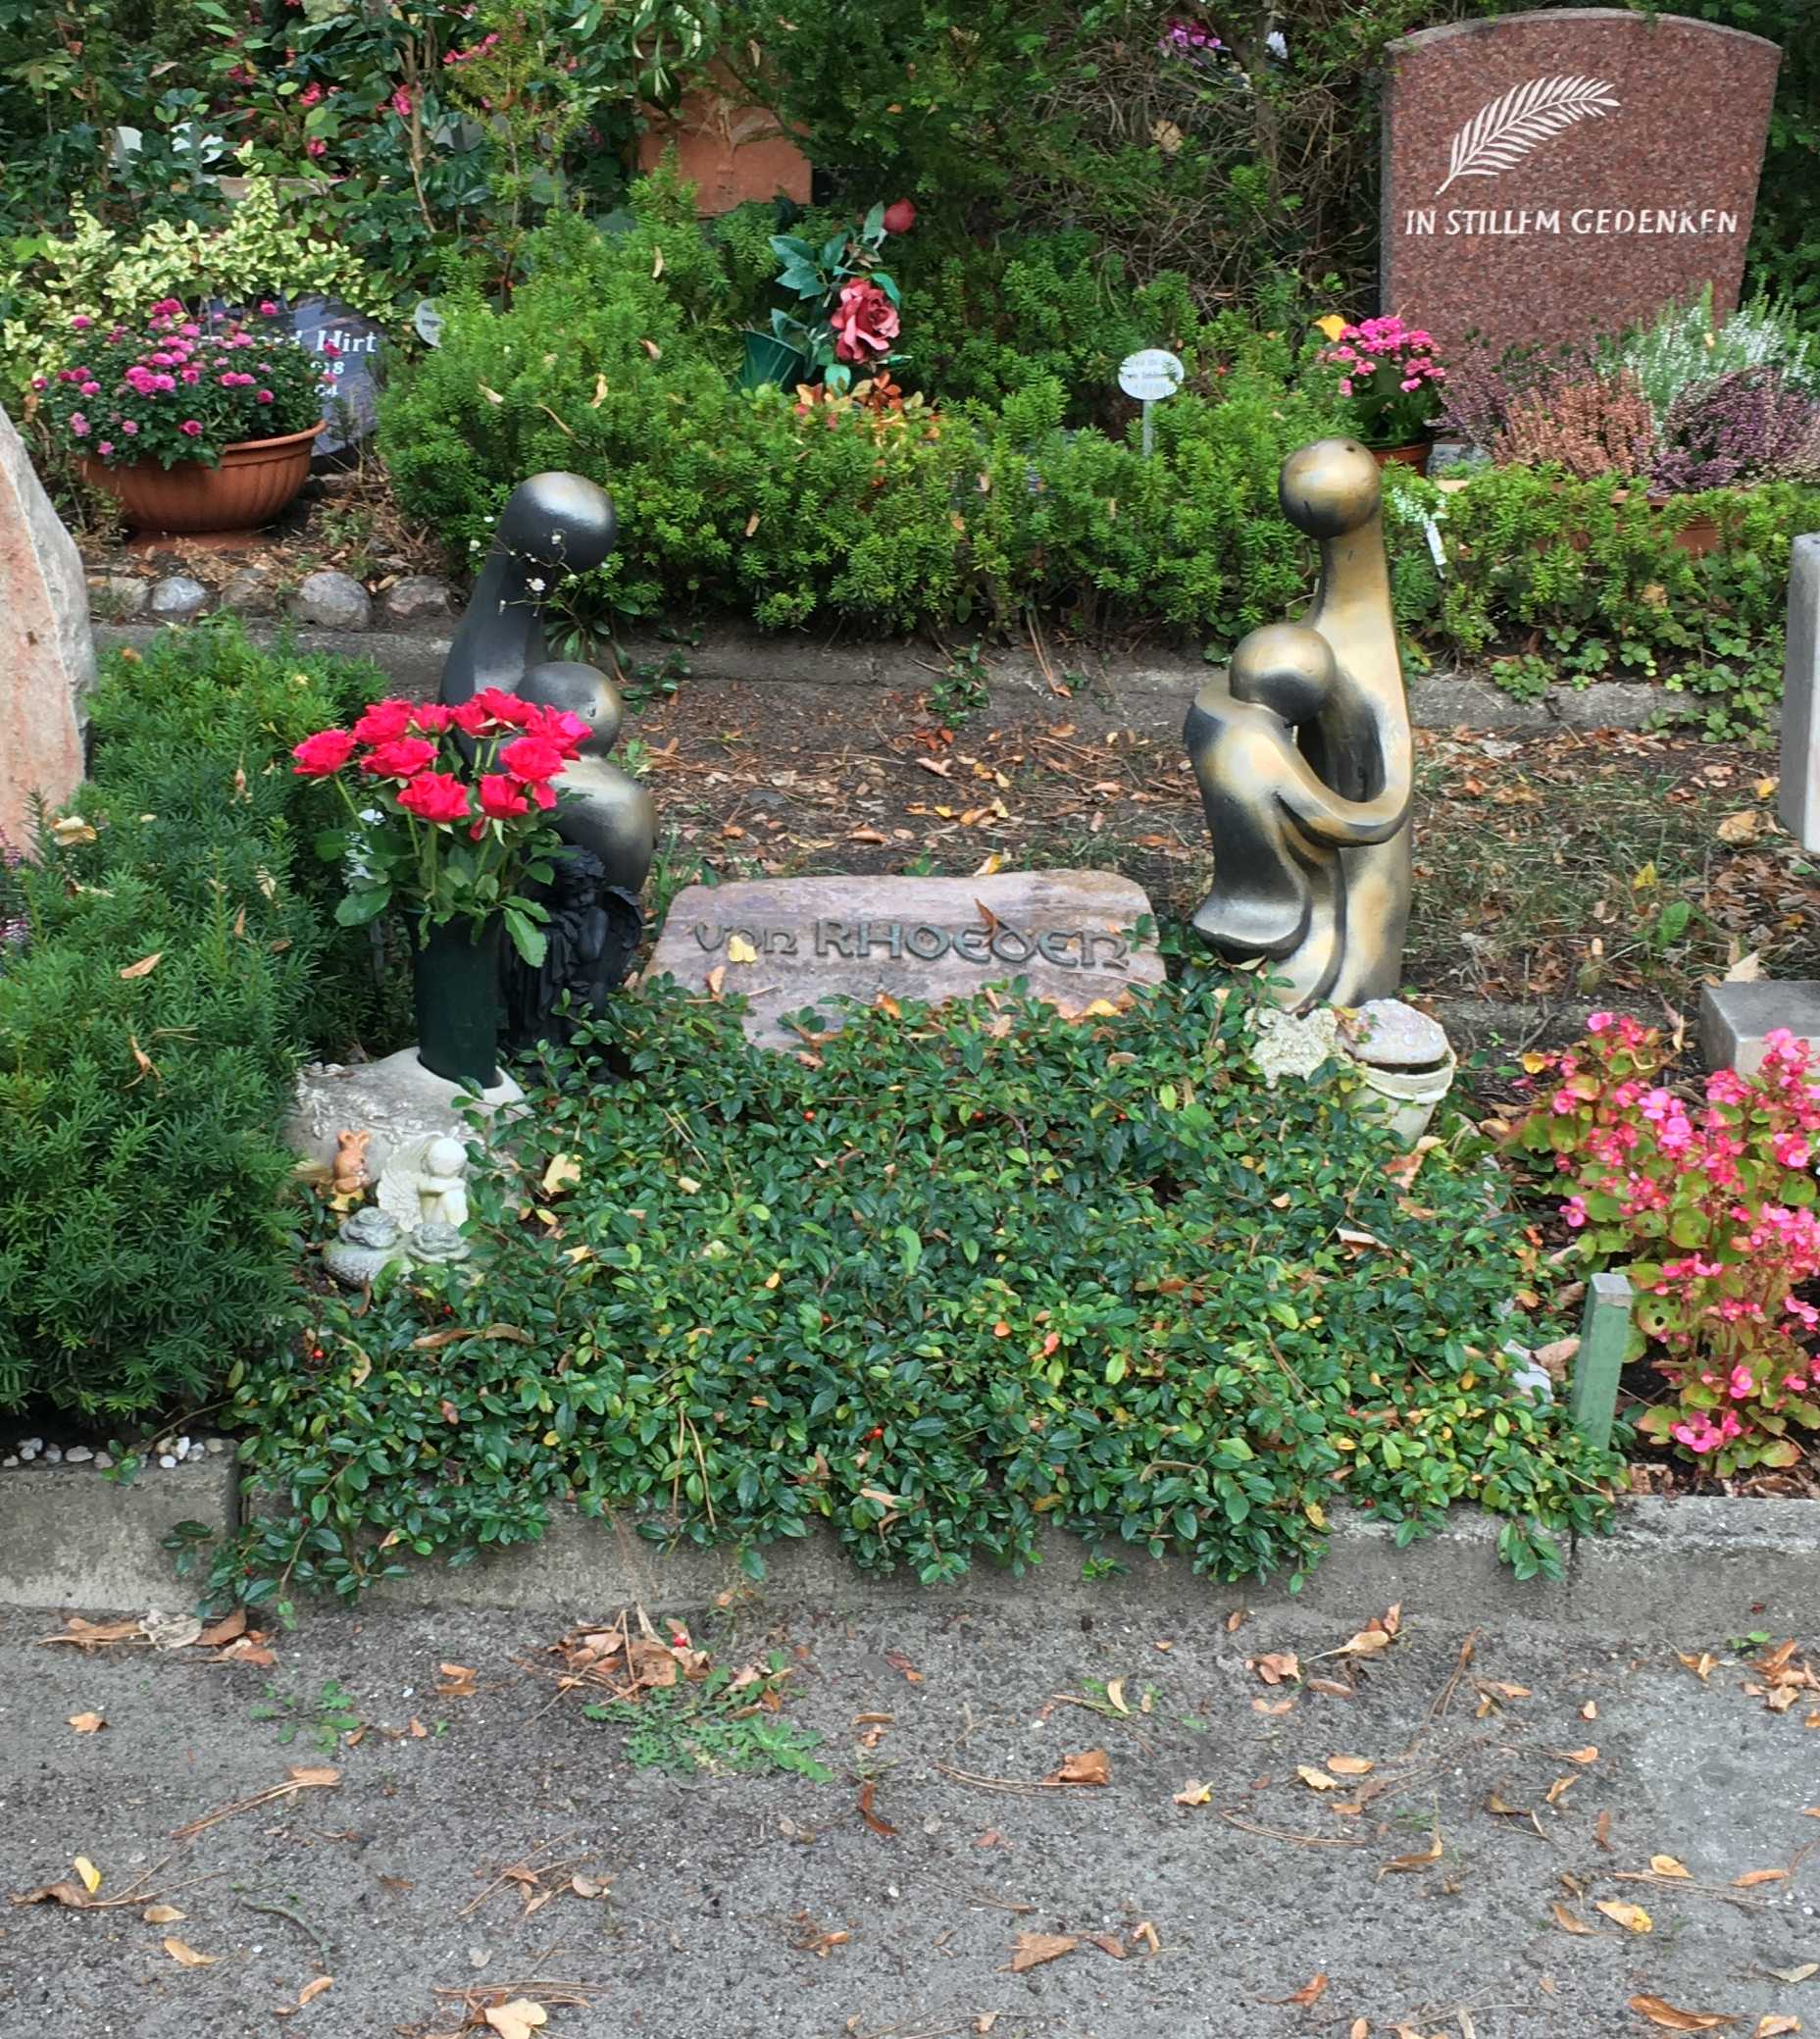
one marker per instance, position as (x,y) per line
(848,310)
(446,808)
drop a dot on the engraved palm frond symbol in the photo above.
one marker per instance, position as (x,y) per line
(1504,131)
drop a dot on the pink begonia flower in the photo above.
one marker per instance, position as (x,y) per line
(130,426)
(104,447)
(317,147)
(401,103)
(1741,1383)
(191,428)
(265,396)
(81,323)
(80,426)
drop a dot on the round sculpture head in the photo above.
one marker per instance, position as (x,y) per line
(563,521)
(1284,666)
(445,1157)
(584,690)
(1330,487)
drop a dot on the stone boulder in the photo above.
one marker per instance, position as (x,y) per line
(47,656)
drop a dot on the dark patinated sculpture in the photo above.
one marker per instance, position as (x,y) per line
(557,524)
(1305,763)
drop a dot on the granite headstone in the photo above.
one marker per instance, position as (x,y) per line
(787,943)
(351,347)
(47,656)
(1553,173)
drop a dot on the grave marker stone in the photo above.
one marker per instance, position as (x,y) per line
(1553,173)
(47,657)
(351,347)
(790,943)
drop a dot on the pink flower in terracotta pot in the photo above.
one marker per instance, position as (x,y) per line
(865,321)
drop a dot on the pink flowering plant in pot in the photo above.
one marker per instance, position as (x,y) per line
(1707,1206)
(448,811)
(848,306)
(178,388)
(1388,374)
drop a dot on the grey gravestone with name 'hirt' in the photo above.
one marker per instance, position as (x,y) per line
(351,349)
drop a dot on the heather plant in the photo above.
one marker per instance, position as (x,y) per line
(1706,1206)
(1586,425)
(1752,424)
(1684,345)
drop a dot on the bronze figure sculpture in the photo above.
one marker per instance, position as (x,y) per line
(1303,755)
(558,524)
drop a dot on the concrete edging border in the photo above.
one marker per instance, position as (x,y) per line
(1691,1569)
(1153,686)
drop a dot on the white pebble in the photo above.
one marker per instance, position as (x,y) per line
(182,1446)
(33,1443)
(215,1443)
(103,1459)
(79,1454)
(167,1461)
(53,1455)
(11,1458)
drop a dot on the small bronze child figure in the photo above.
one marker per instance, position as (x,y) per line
(1277,890)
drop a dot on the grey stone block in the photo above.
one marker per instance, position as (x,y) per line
(415,597)
(178,599)
(248,592)
(333,601)
(71,1539)
(1798,799)
(1735,1018)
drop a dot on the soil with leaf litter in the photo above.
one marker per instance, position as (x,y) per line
(1097,1828)
(1572,868)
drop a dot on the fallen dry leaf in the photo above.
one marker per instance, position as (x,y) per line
(90,1875)
(903,1665)
(1032,1950)
(1670,2019)
(188,1957)
(144,966)
(516,2019)
(1772,2025)
(1568,1923)
(1631,1917)
(94,1635)
(1194,1793)
(87,1723)
(1276,1667)
(881,1827)
(70,1894)
(1367,1642)
(1752,1877)
(1399,1863)
(1350,1765)
(311,1990)
(1805,1974)
(162,1914)
(1304,1997)
(1668,1865)
(1579,1755)
(1316,1780)
(1090,1766)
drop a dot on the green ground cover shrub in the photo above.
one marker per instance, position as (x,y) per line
(936,1280)
(142,1237)
(616,364)
(1552,578)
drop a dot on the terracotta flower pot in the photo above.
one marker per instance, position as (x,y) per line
(1414,455)
(255,481)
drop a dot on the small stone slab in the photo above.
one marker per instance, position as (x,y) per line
(1394,1036)
(814,940)
(1798,799)
(1736,1019)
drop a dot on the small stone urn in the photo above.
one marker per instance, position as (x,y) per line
(1406,1061)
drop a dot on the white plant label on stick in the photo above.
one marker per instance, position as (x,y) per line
(1150,375)
(428,321)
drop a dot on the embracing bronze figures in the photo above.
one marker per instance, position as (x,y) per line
(1304,755)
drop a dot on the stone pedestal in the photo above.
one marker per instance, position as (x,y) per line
(1737,1018)
(399,1102)
(1797,795)
(47,657)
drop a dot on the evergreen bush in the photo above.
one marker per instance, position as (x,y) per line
(177,957)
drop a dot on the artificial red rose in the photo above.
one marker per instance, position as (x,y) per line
(383,721)
(429,717)
(436,796)
(865,317)
(501,798)
(563,727)
(469,718)
(506,707)
(899,218)
(402,759)
(321,756)
(532,760)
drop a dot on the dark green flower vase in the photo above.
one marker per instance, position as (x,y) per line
(455,986)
